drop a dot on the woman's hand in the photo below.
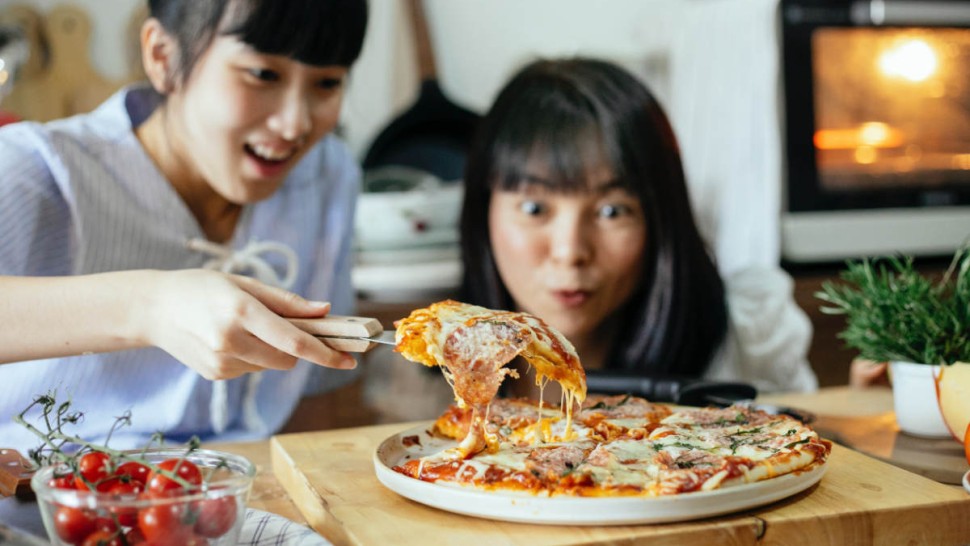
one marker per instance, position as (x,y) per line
(866,373)
(223,326)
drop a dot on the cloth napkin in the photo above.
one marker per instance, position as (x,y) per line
(265,529)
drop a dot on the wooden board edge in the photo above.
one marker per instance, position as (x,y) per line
(304,496)
(950,514)
(887,527)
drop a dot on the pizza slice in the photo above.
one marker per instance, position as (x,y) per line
(615,416)
(511,419)
(472,345)
(761,445)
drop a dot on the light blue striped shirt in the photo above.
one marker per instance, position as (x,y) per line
(80,196)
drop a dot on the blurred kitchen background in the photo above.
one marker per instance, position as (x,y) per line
(812,131)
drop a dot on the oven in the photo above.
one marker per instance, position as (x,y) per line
(876,117)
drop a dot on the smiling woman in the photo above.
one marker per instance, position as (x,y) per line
(255,102)
(225,161)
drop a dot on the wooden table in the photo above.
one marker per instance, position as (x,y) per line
(862,417)
(267,493)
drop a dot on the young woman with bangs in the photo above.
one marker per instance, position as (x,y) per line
(576,210)
(151,246)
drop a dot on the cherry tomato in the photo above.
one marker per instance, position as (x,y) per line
(216,516)
(196,540)
(135,471)
(134,536)
(164,525)
(93,467)
(63,482)
(106,524)
(73,524)
(127,516)
(103,538)
(106,484)
(161,485)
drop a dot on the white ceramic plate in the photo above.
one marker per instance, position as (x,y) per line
(527,508)
(966,481)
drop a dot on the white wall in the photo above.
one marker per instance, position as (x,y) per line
(712,63)
(478,44)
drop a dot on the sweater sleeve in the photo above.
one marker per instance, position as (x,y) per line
(768,334)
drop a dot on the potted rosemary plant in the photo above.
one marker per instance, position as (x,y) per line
(895,314)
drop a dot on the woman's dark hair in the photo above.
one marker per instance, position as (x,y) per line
(317,32)
(566,114)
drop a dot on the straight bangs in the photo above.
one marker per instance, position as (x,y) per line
(314,32)
(568,147)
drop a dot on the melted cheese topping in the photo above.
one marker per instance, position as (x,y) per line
(625,446)
(472,345)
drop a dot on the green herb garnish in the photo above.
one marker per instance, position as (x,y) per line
(793,444)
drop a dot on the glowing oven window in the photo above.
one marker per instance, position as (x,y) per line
(892,107)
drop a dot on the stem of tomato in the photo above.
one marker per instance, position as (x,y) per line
(60,456)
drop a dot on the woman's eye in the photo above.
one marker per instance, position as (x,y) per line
(613,211)
(264,74)
(531,208)
(330,83)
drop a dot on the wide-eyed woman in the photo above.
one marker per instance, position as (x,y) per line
(576,210)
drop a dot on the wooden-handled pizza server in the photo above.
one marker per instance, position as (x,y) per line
(346,333)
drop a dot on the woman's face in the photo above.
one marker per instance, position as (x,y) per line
(245,118)
(570,259)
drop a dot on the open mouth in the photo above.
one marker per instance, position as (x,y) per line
(269,155)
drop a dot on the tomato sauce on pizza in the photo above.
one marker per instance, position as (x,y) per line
(472,345)
(623,446)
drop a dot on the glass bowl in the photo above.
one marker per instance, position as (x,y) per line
(211,513)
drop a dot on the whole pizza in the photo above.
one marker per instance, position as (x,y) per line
(589,446)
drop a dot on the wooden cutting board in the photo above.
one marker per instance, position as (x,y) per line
(59,79)
(330,477)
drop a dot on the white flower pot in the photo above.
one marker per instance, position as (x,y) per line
(914,399)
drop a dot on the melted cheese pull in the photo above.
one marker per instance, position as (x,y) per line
(472,345)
